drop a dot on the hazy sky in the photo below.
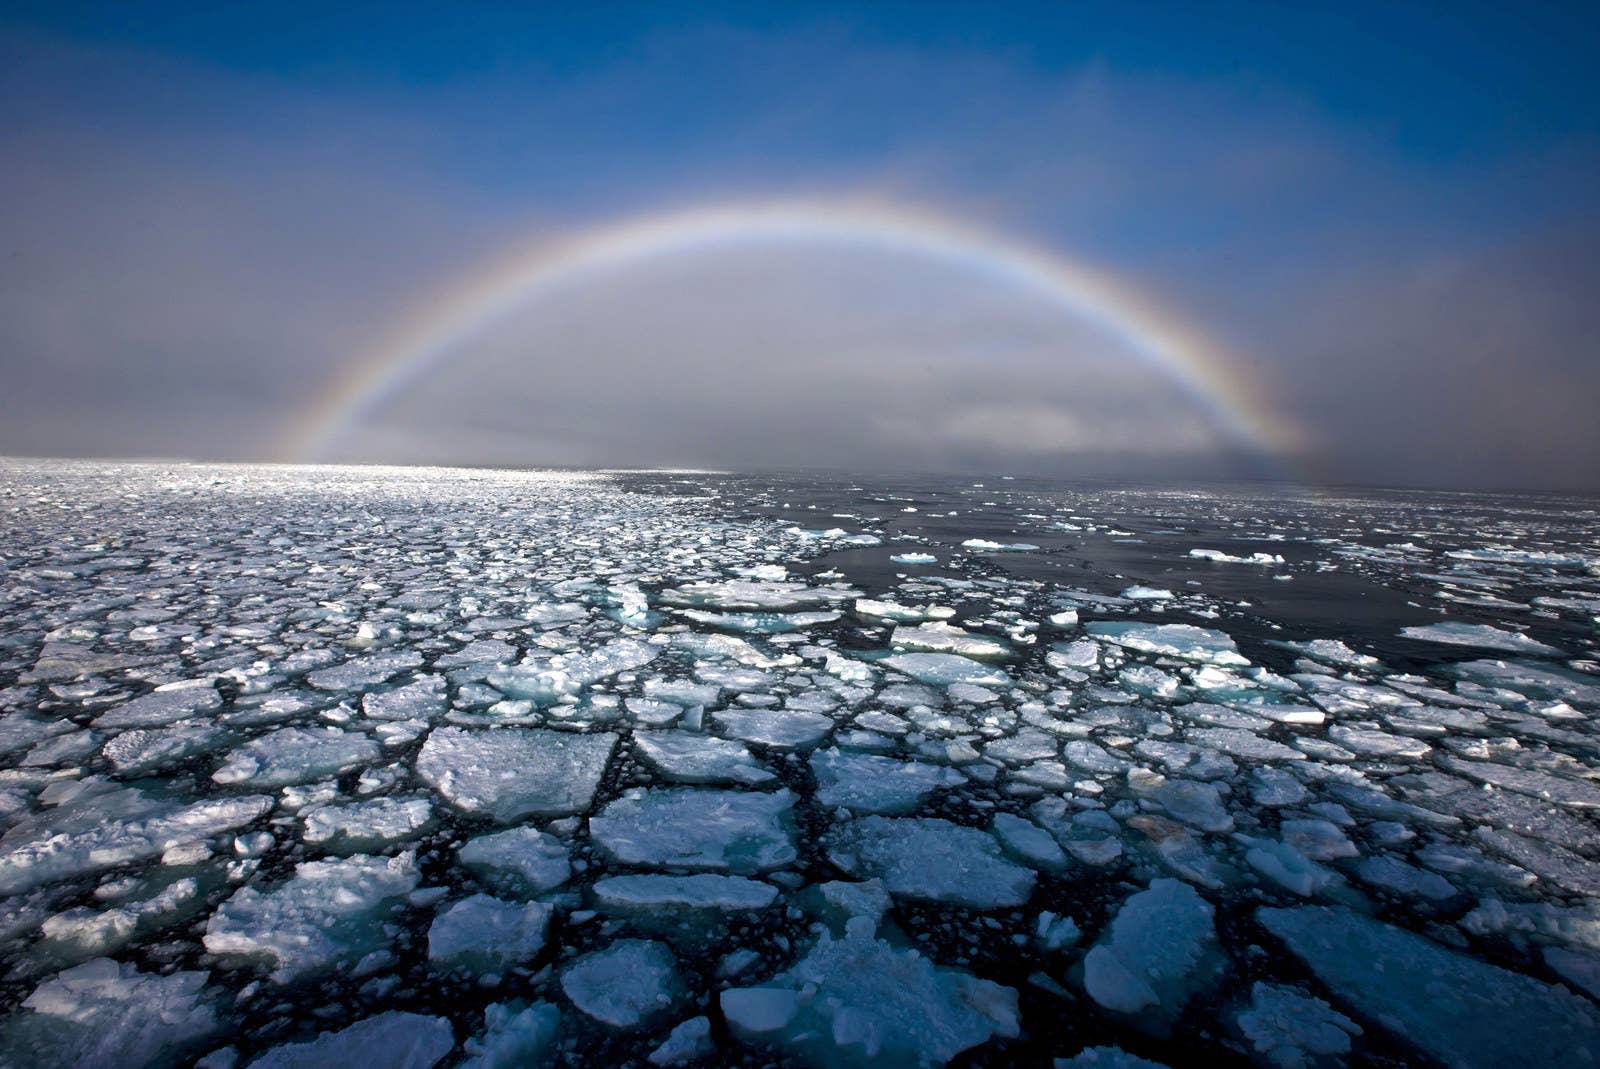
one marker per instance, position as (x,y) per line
(1387,220)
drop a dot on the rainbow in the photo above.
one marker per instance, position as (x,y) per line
(1194,364)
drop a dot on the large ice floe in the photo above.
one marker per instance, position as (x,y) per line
(419,767)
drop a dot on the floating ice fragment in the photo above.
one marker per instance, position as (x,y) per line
(362,826)
(327,913)
(1293,1031)
(943,638)
(692,828)
(1475,1014)
(1184,641)
(1482,636)
(481,934)
(945,668)
(107,1015)
(929,858)
(688,1042)
(511,773)
(626,985)
(781,729)
(514,1036)
(296,755)
(1222,557)
(1158,952)
(857,1001)
(870,784)
(393,1040)
(700,891)
(164,705)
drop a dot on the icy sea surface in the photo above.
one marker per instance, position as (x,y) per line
(417,767)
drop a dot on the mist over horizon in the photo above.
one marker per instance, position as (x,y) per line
(1383,225)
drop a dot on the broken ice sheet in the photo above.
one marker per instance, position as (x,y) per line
(671,778)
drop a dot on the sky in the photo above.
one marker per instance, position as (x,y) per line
(1380,224)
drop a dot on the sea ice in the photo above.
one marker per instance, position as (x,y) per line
(519,861)
(871,784)
(943,638)
(393,1040)
(1482,636)
(296,755)
(781,729)
(1289,1030)
(1476,1014)
(696,828)
(164,705)
(702,890)
(514,1036)
(512,773)
(108,826)
(942,669)
(628,984)
(857,1001)
(687,757)
(481,934)
(327,913)
(929,858)
(1158,952)
(106,1015)
(362,826)
(1183,641)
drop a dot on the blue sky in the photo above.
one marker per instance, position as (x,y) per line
(1387,212)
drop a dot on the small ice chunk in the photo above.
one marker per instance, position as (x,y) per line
(144,750)
(941,669)
(327,913)
(628,984)
(513,1035)
(165,705)
(762,623)
(520,861)
(106,826)
(945,638)
(1158,952)
(511,773)
(860,1002)
(1223,557)
(702,890)
(362,672)
(695,828)
(871,784)
(930,858)
(782,729)
(688,757)
(1183,641)
(424,699)
(362,826)
(481,934)
(297,755)
(688,1042)
(1481,636)
(1290,1030)
(393,1040)
(1106,1058)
